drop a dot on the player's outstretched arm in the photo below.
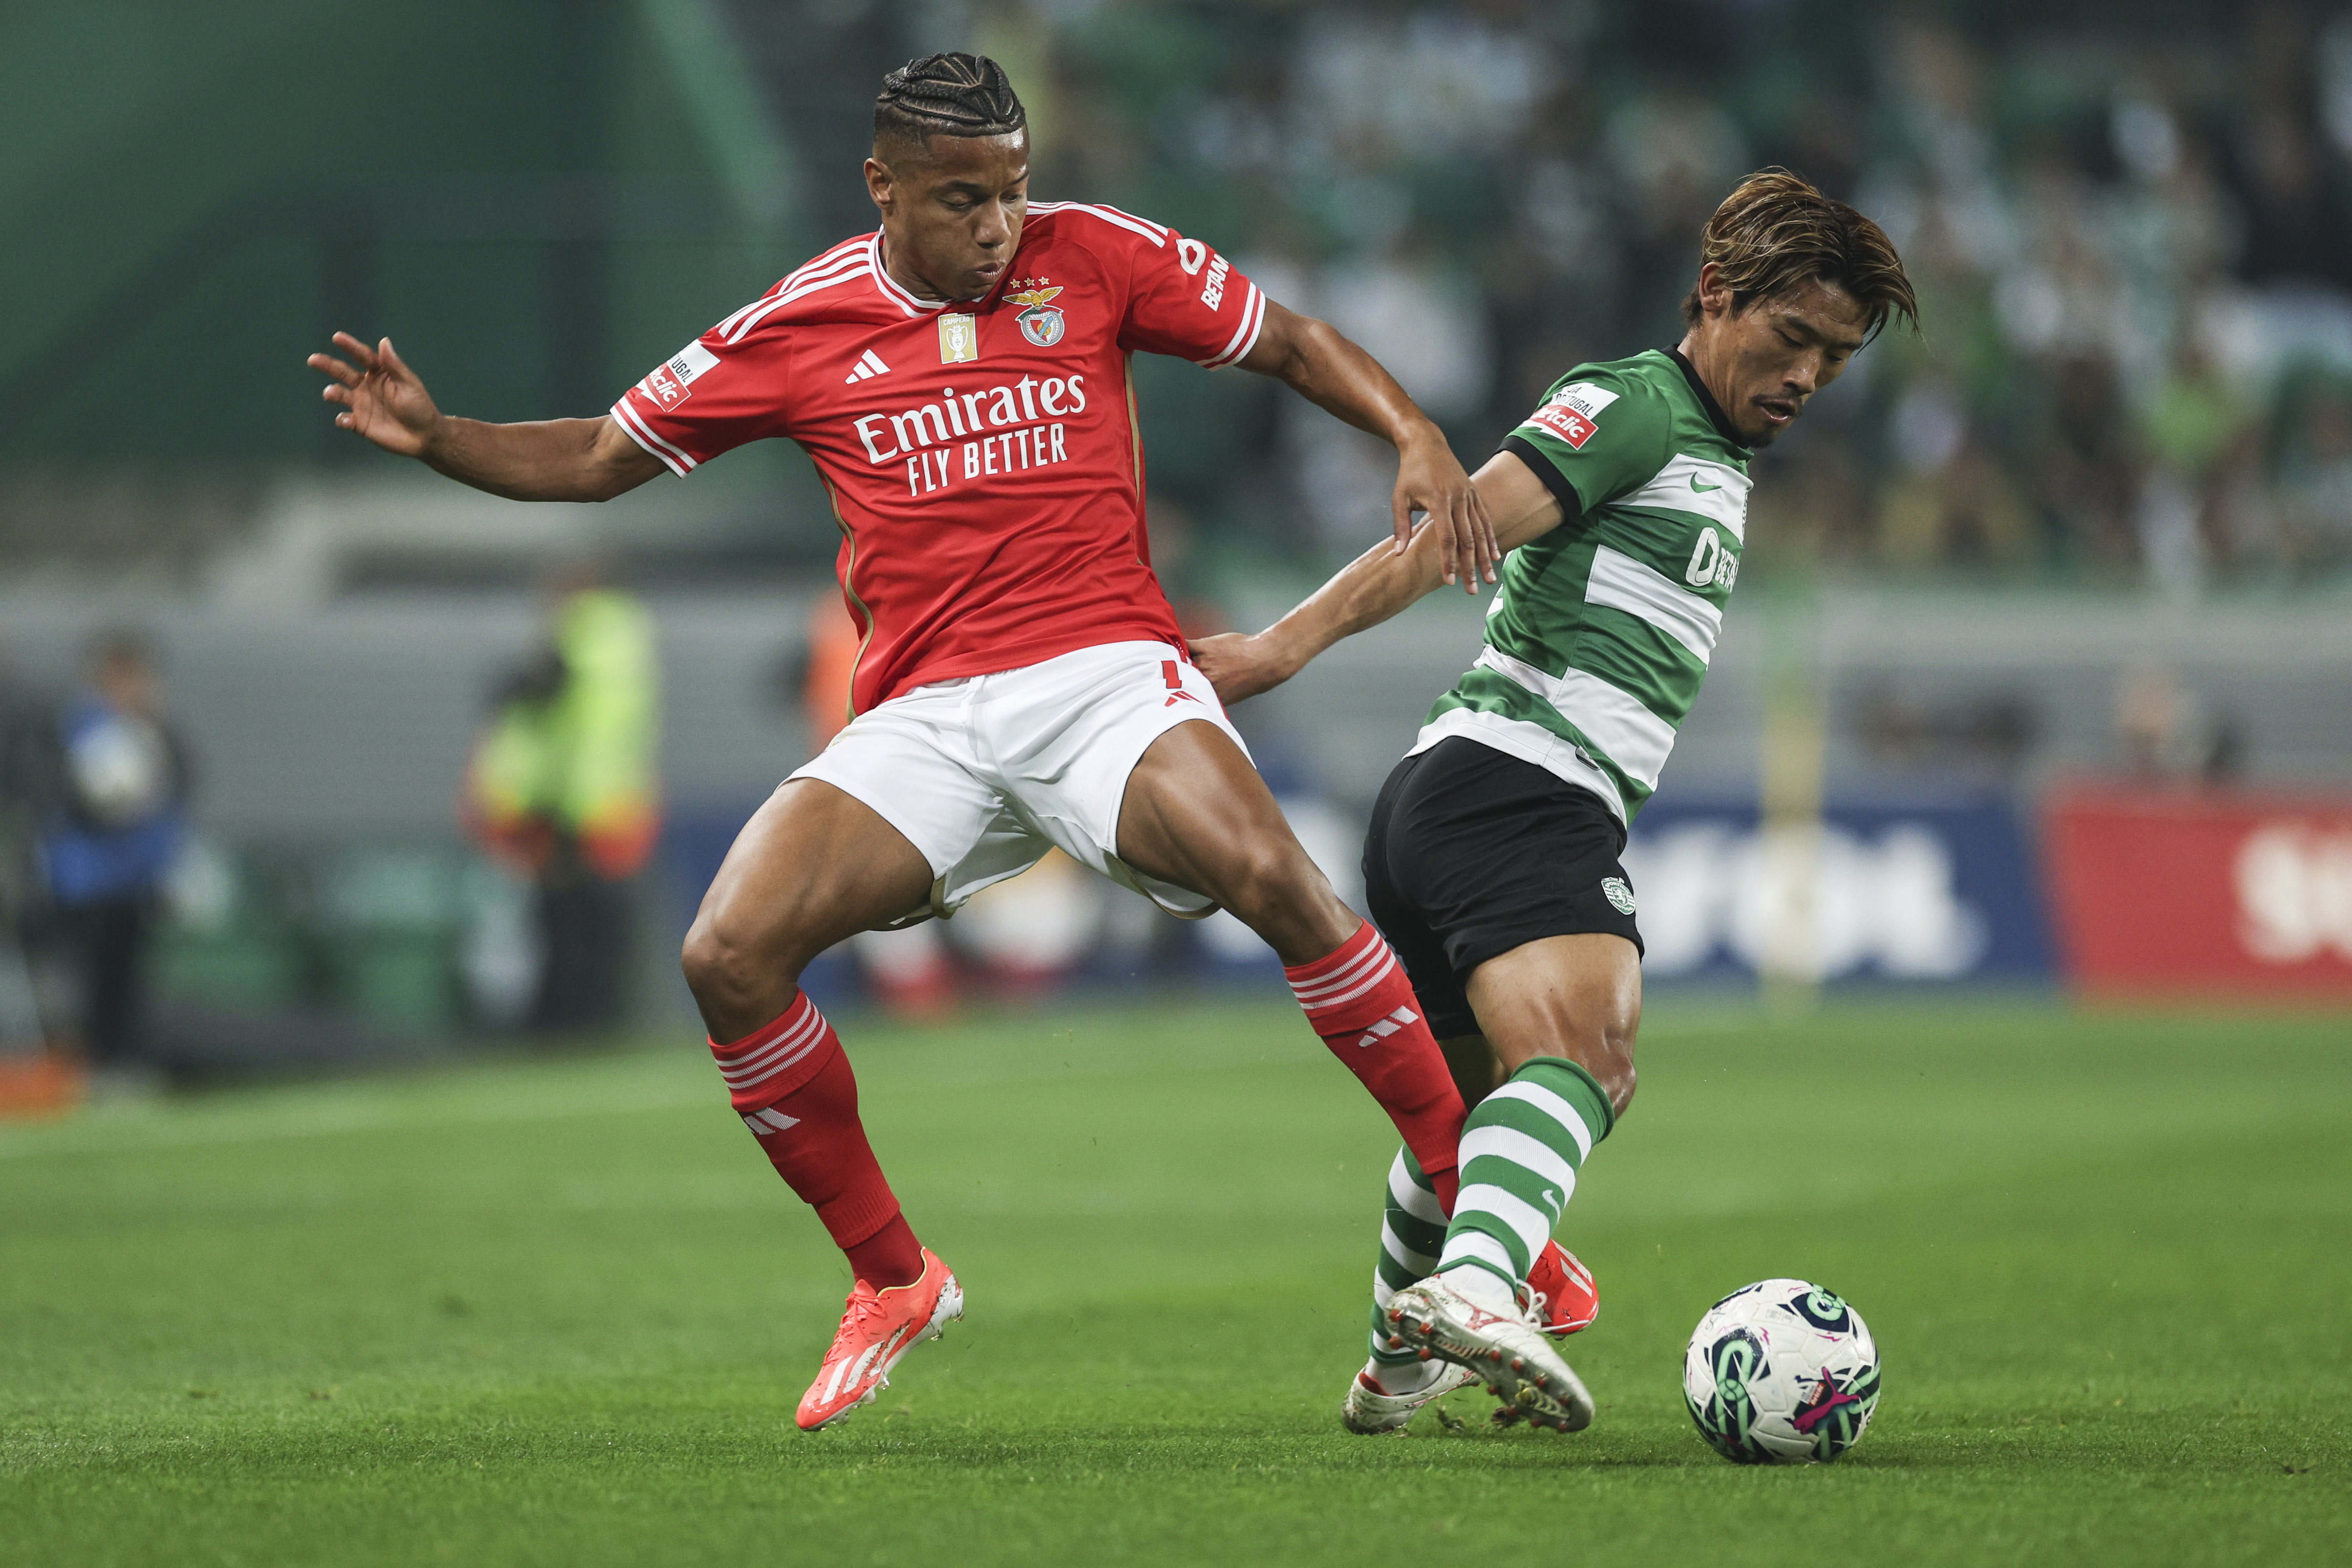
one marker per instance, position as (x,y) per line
(546,460)
(1317,363)
(1371,588)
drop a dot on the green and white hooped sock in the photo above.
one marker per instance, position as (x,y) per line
(1413,1233)
(1521,1150)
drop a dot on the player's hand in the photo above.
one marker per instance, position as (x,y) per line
(382,399)
(1429,479)
(1239,665)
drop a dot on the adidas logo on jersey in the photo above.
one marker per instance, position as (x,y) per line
(770,1120)
(869,364)
(1388,1025)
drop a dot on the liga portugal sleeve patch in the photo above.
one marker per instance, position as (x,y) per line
(672,382)
(1573,412)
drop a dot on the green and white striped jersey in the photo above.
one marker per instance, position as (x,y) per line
(1600,631)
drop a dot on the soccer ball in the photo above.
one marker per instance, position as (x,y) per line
(1781,1373)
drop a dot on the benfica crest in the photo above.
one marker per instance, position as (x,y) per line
(1041,321)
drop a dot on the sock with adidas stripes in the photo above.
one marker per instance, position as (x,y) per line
(791,1083)
(1360,1001)
(1412,1235)
(1522,1147)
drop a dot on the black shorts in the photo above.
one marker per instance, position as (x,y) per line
(1472,852)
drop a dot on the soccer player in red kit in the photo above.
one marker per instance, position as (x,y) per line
(960,380)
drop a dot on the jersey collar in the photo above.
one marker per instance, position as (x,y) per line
(890,288)
(1716,417)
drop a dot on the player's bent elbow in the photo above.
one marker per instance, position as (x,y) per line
(612,464)
(1289,344)
(1316,341)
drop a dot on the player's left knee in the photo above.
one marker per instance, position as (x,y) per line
(729,970)
(707,959)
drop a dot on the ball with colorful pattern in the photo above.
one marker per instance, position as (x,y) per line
(1781,1372)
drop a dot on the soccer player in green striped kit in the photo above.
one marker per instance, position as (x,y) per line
(1492,861)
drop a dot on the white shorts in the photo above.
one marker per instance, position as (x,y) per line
(984,775)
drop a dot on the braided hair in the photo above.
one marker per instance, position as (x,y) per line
(946,95)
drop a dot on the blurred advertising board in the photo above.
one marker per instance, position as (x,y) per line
(2164,891)
(1903,891)
(1931,890)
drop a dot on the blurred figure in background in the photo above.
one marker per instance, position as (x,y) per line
(33,1078)
(2316,490)
(562,787)
(2168,734)
(110,779)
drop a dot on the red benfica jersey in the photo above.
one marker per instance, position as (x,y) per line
(983,457)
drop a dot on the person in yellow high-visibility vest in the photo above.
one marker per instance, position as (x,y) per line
(564,785)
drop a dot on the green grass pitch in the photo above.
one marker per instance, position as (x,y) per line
(560,1311)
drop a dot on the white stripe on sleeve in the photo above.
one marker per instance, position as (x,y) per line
(747,319)
(1245,336)
(639,432)
(1112,216)
(855,248)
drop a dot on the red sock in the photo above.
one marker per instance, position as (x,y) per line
(1360,1001)
(889,1257)
(791,1085)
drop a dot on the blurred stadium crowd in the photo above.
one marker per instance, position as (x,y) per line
(2131,242)
(2116,467)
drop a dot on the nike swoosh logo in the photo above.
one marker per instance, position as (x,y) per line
(1703,489)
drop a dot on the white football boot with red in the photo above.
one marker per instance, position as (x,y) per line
(1558,1299)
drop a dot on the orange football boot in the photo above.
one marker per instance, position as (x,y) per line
(878,1327)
